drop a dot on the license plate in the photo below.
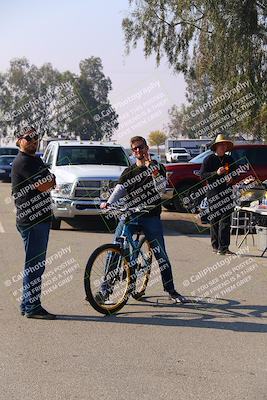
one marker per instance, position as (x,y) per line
(2,171)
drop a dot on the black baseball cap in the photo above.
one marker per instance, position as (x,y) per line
(28,132)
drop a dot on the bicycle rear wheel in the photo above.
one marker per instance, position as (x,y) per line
(107,279)
(142,268)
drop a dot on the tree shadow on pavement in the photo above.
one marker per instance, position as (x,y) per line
(227,315)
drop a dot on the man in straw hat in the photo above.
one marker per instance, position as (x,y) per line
(216,169)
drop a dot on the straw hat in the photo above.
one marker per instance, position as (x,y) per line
(222,139)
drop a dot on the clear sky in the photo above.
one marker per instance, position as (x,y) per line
(64,32)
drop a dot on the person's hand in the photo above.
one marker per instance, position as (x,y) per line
(46,186)
(103,205)
(221,171)
(147,159)
(54,181)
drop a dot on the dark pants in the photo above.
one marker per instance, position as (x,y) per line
(220,233)
(220,220)
(153,231)
(35,240)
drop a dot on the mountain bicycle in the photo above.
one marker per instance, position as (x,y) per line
(116,271)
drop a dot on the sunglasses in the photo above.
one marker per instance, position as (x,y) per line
(141,147)
(30,138)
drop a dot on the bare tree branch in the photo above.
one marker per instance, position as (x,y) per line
(183,21)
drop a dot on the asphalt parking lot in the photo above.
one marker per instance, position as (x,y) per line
(213,348)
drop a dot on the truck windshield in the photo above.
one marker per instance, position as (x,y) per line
(91,155)
(180,151)
(8,151)
(200,157)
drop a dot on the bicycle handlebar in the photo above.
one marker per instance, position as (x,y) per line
(131,210)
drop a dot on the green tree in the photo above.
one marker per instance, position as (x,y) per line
(171,27)
(57,103)
(24,96)
(156,138)
(219,41)
(178,124)
(97,118)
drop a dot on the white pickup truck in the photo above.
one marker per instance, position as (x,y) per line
(177,154)
(85,174)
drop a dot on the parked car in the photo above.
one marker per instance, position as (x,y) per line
(5,167)
(177,155)
(185,180)
(85,174)
(8,151)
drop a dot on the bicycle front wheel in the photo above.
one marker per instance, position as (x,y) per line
(107,279)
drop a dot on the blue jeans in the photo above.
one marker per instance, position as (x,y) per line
(35,240)
(153,231)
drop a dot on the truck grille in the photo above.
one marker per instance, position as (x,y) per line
(86,190)
(89,184)
(92,194)
(182,159)
(90,190)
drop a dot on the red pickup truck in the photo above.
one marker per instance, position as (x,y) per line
(250,159)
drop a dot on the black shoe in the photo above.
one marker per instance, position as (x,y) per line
(40,313)
(139,295)
(226,252)
(22,312)
(177,297)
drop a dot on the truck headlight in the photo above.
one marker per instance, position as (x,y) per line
(62,189)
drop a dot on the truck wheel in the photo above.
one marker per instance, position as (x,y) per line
(56,222)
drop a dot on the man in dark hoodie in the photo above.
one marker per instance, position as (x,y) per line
(31,185)
(140,178)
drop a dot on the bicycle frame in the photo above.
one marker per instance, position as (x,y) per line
(126,234)
(130,246)
(122,268)
(130,250)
